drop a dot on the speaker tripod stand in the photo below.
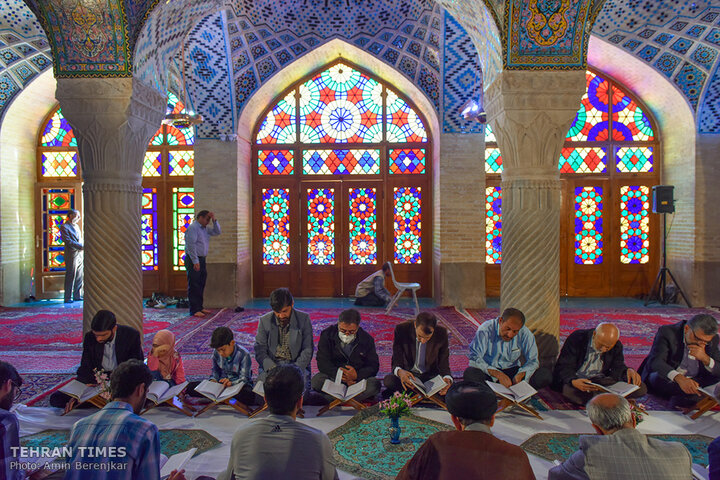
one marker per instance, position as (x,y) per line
(657,292)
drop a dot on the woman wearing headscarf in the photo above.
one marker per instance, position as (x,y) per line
(163,361)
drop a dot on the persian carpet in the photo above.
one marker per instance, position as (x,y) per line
(362,445)
(559,446)
(171,441)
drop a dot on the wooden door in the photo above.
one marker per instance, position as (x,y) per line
(55,202)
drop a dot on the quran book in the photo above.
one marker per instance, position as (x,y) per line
(176,462)
(259,389)
(217,392)
(709,390)
(620,388)
(431,387)
(81,392)
(161,391)
(343,392)
(517,393)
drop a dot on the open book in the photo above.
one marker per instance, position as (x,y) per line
(431,387)
(259,389)
(217,392)
(517,393)
(343,392)
(620,388)
(710,390)
(176,462)
(161,391)
(81,392)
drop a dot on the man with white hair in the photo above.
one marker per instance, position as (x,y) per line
(619,451)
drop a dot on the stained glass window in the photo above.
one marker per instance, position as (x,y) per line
(403,123)
(183,203)
(58,133)
(588,225)
(634,224)
(408,215)
(493,160)
(180,136)
(148,229)
(338,162)
(279,125)
(159,138)
(363,226)
(493,225)
(629,121)
(275,162)
(591,120)
(635,159)
(407,160)
(340,105)
(321,226)
(152,164)
(181,162)
(276,226)
(56,203)
(489,134)
(59,164)
(582,160)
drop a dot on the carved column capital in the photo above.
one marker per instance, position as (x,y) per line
(530,112)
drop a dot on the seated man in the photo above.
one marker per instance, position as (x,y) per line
(593,355)
(277,446)
(347,347)
(620,451)
(284,336)
(496,350)
(371,291)
(119,426)
(420,349)
(472,451)
(714,459)
(10,383)
(104,347)
(683,357)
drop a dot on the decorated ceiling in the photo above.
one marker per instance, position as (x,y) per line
(233,48)
(24,50)
(678,38)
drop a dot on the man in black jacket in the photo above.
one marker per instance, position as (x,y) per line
(593,355)
(105,347)
(349,348)
(683,357)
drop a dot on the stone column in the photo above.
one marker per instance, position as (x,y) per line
(113,120)
(460,221)
(530,112)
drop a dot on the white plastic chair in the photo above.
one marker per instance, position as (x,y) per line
(401,287)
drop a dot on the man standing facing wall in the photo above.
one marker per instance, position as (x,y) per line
(197,241)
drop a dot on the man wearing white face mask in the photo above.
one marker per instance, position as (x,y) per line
(349,348)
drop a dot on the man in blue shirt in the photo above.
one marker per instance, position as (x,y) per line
(497,351)
(131,443)
(197,240)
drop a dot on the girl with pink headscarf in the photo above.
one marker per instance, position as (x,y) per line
(163,361)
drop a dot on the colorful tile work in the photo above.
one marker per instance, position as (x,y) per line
(704,56)
(690,80)
(667,63)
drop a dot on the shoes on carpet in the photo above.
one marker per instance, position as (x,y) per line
(239,309)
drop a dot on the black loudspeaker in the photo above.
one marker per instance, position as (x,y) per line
(662,199)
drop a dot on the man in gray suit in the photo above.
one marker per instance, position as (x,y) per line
(72,239)
(278,446)
(619,451)
(284,336)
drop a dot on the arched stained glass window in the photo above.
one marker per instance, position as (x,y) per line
(167,171)
(357,154)
(607,166)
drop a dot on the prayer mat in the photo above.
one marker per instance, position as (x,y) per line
(559,446)
(171,441)
(362,445)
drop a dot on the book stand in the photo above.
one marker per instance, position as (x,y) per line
(339,403)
